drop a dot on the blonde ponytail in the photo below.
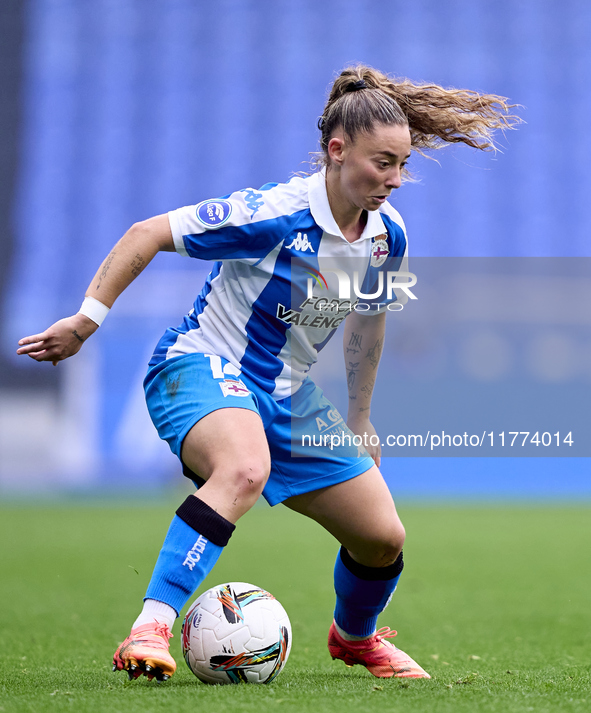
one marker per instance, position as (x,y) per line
(362,97)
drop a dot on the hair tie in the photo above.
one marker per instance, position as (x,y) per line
(356,86)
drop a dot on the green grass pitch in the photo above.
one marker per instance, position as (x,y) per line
(495,602)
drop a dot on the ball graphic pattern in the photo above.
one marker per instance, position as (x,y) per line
(236,633)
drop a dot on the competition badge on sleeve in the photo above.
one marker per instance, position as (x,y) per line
(213,213)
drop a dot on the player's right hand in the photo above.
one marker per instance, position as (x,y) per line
(62,340)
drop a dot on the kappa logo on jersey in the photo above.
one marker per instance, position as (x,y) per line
(194,554)
(301,243)
(379,250)
(213,213)
(233,387)
(251,200)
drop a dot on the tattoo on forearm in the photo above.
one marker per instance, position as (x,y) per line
(105,268)
(355,340)
(78,337)
(363,408)
(137,265)
(352,373)
(374,353)
(350,379)
(368,388)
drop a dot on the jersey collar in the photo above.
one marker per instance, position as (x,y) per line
(320,209)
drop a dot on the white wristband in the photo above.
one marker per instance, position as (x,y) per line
(95,310)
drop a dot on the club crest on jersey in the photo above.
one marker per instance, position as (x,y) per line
(213,213)
(233,387)
(379,251)
(301,243)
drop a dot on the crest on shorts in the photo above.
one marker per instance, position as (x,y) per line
(233,387)
(214,213)
(379,250)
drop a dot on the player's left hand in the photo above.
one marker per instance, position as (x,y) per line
(364,428)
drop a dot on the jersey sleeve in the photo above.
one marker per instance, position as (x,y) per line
(247,224)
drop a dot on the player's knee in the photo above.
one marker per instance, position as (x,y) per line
(249,479)
(385,549)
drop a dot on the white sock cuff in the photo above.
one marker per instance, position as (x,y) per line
(350,637)
(155,610)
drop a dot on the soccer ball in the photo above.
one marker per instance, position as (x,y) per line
(236,633)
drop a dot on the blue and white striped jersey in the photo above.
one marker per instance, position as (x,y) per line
(277,291)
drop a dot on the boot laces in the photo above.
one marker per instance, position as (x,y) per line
(163,631)
(385,633)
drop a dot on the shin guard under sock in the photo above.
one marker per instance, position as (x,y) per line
(362,593)
(193,544)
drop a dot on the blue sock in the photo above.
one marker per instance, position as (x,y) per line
(193,544)
(362,592)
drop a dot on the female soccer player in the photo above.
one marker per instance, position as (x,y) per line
(228,389)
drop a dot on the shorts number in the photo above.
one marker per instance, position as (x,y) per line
(215,363)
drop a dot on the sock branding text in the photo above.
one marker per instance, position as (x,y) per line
(194,554)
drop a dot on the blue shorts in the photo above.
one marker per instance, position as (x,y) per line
(311,446)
